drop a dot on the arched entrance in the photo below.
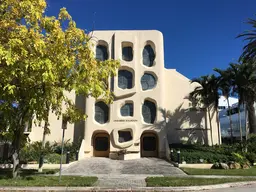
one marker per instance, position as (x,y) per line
(149,144)
(101,145)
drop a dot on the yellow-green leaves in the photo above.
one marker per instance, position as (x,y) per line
(41,58)
(64,15)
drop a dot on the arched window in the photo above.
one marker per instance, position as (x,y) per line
(101,53)
(101,112)
(148,56)
(148,81)
(149,112)
(127,109)
(124,136)
(125,79)
(127,51)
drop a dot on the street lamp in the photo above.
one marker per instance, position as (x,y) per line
(178,156)
(64,127)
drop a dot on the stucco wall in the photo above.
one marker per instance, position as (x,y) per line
(73,131)
(184,125)
(139,39)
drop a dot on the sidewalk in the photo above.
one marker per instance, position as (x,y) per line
(137,189)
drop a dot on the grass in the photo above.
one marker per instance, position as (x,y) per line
(233,172)
(49,181)
(179,181)
(27,172)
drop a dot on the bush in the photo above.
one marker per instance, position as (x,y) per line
(32,151)
(68,146)
(251,157)
(196,153)
(251,143)
(54,158)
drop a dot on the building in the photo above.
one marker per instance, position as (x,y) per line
(236,119)
(223,103)
(150,108)
(225,122)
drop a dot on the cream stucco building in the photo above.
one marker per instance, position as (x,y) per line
(150,109)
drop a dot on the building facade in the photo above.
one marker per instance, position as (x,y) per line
(150,108)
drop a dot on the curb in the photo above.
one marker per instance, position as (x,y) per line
(141,189)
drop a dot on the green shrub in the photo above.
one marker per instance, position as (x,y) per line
(251,143)
(32,151)
(251,157)
(54,158)
(72,147)
(203,153)
(239,158)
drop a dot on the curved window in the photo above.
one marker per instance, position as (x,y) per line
(124,136)
(125,79)
(127,51)
(148,56)
(127,109)
(101,112)
(148,81)
(149,112)
(101,53)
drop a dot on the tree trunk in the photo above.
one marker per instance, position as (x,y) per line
(41,160)
(240,124)
(230,121)
(251,117)
(218,124)
(245,122)
(15,158)
(18,131)
(210,123)
(16,149)
(246,126)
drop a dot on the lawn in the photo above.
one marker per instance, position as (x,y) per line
(234,172)
(49,181)
(27,172)
(181,181)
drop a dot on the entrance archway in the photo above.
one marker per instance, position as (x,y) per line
(101,145)
(149,144)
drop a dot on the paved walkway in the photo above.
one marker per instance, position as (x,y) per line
(106,166)
(122,174)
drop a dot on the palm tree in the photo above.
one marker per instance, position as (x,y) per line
(244,81)
(249,57)
(225,86)
(206,94)
(249,50)
(235,74)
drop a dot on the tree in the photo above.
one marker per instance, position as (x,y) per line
(249,50)
(244,81)
(225,86)
(42,58)
(206,94)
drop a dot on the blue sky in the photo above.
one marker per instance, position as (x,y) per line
(198,34)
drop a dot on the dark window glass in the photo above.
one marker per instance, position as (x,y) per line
(149,143)
(101,53)
(127,53)
(101,143)
(148,81)
(232,111)
(125,79)
(149,112)
(127,109)
(101,112)
(124,136)
(148,56)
